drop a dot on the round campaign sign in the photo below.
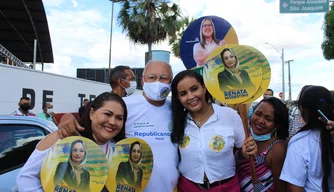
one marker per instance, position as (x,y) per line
(233,73)
(74,164)
(266,74)
(202,37)
(130,167)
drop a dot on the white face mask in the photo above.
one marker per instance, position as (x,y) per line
(49,111)
(156,91)
(130,90)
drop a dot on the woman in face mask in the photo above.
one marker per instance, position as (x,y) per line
(269,128)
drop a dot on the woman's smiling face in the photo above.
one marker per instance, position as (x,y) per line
(262,120)
(78,153)
(229,60)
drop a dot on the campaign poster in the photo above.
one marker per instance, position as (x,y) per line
(130,167)
(202,37)
(74,164)
(266,75)
(233,73)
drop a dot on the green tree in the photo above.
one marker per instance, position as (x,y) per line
(175,41)
(328,27)
(149,21)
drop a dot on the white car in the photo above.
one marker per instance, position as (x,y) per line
(18,138)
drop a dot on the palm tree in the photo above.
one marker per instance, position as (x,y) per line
(149,21)
(176,40)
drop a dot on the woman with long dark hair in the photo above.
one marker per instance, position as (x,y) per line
(104,124)
(269,128)
(309,164)
(206,134)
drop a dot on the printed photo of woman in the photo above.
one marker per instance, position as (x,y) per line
(129,172)
(208,42)
(72,173)
(232,77)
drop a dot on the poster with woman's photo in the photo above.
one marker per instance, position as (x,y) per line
(233,73)
(130,167)
(202,37)
(74,164)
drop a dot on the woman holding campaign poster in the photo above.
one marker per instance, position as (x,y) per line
(53,162)
(232,76)
(207,135)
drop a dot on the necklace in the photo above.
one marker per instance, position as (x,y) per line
(198,122)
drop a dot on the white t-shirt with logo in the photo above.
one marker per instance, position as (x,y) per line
(154,125)
(302,166)
(209,149)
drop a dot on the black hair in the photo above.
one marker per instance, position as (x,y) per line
(271,91)
(314,98)
(43,105)
(116,73)
(281,116)
(85,100)
(131,147)
(179,113)
(98,102)
(24,98)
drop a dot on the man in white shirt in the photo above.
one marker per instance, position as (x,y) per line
(149,118)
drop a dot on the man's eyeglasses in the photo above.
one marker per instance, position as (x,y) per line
(154,77)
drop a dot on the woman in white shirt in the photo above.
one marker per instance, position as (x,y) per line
(309,163)
(103,122)
(206,134)
(208,42)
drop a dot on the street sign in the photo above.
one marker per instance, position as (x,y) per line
(303,6)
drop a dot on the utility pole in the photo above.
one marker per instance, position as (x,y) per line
(282,57)
(111,28)
(289,78)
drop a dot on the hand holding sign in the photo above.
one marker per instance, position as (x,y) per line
(74,164)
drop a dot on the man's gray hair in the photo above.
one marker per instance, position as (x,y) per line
(150,62)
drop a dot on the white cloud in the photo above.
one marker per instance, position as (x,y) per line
(75,3)
(80,38)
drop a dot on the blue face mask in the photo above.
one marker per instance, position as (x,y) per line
(264,137)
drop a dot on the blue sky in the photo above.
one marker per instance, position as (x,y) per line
(80,32)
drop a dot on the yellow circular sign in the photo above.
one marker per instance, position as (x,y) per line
(233,74)
(131,166)
(74,164)
(217,143)
(266,75)
(185,142)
